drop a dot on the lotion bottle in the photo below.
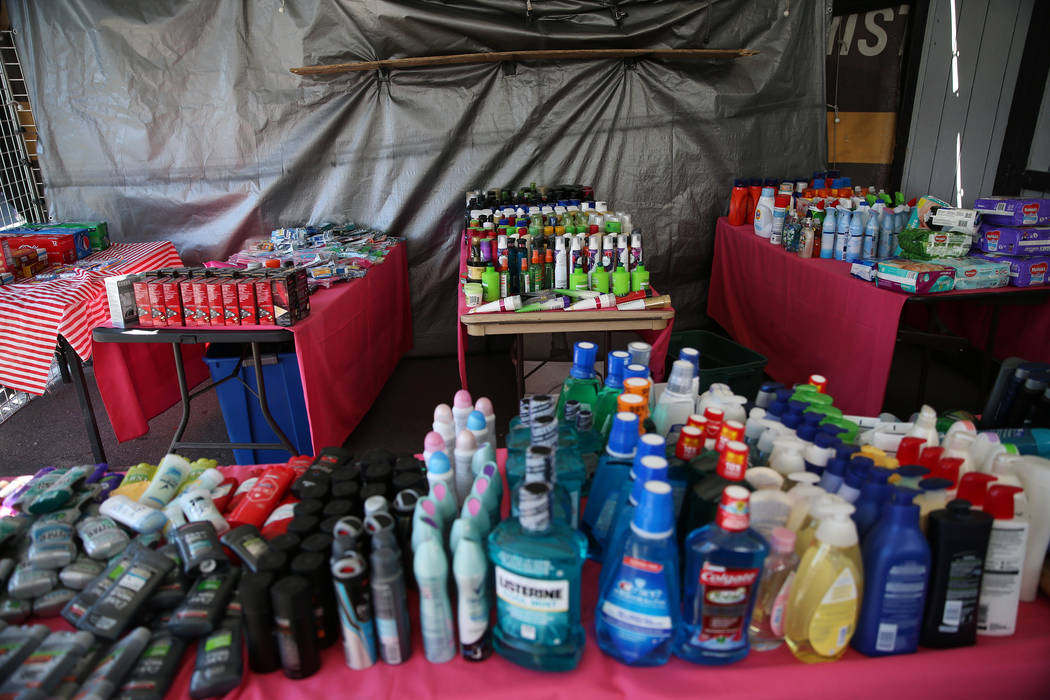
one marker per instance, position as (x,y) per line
(1003,565)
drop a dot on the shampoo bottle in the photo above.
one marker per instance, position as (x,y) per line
(1003,564)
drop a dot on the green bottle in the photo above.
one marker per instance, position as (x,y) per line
(490,283)
(578,279)
(621,281)
(582,383)
(600,280)
(536,270)
(639,279)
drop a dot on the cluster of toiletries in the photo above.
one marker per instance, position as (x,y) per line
(1020,397)
(527,244)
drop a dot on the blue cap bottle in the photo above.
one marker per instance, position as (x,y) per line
(583,356)
(616,361)
(624,435)
(833,475)
(636,370)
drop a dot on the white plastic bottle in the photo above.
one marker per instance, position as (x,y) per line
(445,426)
(166,481)
(764,213)
(786,457)
(140,518)
(198,506)
(925,426)
(676,402)
(466,446)
(1003,565)
(439,471)
(462,405)
(484,404)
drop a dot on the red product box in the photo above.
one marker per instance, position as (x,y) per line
(215,312)
(60,247)
(200,301)
(157,310)
(173,302)
(246,301)
(189,306)
(231,311)
(264,300)
(142,301)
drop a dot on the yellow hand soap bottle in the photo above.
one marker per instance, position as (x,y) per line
(821,614)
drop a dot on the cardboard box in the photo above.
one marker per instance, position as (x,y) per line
(975,273)
(246,301)
(173,313)
(140,287)
(231,308)
(264,300)
(157,311)
(1013,211)
(189,306)
(213,289)
(62,246)
(1014,240)
(120,295)
(200,301)
(1030,271)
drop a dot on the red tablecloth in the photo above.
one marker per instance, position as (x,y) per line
(811,316)
(1009,667)
(659,340)
(347,348)
(34,314)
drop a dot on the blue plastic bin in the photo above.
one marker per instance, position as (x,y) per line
(240,408)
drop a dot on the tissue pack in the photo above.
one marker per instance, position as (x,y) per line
(975,273)
(914,277)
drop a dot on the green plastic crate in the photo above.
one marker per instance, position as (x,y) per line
(721,360)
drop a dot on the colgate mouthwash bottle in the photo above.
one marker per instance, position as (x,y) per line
(582,383)
(723,563)
(537,565)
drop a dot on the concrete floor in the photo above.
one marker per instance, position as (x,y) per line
(50,429)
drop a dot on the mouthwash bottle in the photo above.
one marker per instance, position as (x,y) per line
(723,562)
(638,606)
(537,565)
(703,499)
(612,473)
(589,445)
(822,610)
(605,408)
(649,468)
(539,467)
(521,434)
(582,382)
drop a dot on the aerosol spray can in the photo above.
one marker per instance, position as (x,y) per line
(501,251)
(354,597)
(561,264)
(609,257)
(623,255)
(594,256)
(636,250)
(575,254)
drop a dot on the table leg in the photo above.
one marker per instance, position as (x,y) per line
(184,392)
(63,368)
(72,362)
(519,350)
(261,387)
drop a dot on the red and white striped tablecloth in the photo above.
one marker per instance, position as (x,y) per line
(34,314)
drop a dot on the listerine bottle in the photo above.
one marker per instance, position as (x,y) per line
(539,466)
(537,565)
(566,468)
(613,469)
(723,561)
(589,445)
(605,408)
(582,382)
(639,605)
(520,435)
(702,500)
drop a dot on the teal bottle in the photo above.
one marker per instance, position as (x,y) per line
(613,471)
(723,563)
(582,383)
(520,435)
(589,446)
(540,468)
(537,564)
(639,605)
(605,408)
(651,468)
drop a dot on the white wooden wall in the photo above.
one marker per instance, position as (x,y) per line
(963,98)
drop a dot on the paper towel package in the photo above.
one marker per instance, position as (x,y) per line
(1013,211)
(975,273)
(1014,240)
(1027,271)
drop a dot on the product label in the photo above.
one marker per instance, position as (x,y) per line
(834,620)
(536,610)
(960,600)
(386,623)
(725,601)
(286,645)
(997,607)
(901,607)
(473,616)
(776,613)
(637,608)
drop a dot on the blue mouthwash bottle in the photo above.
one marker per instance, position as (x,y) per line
(650,468)
(582,383)
(612,472)
(539,467)
(605,408)
(638,607)
(521,435)
(537,563)
(723,562)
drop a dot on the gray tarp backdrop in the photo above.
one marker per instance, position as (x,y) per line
(179,120)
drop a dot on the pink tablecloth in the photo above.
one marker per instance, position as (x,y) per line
(347,348)
(658,339)
(1010,667)
(811,316)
